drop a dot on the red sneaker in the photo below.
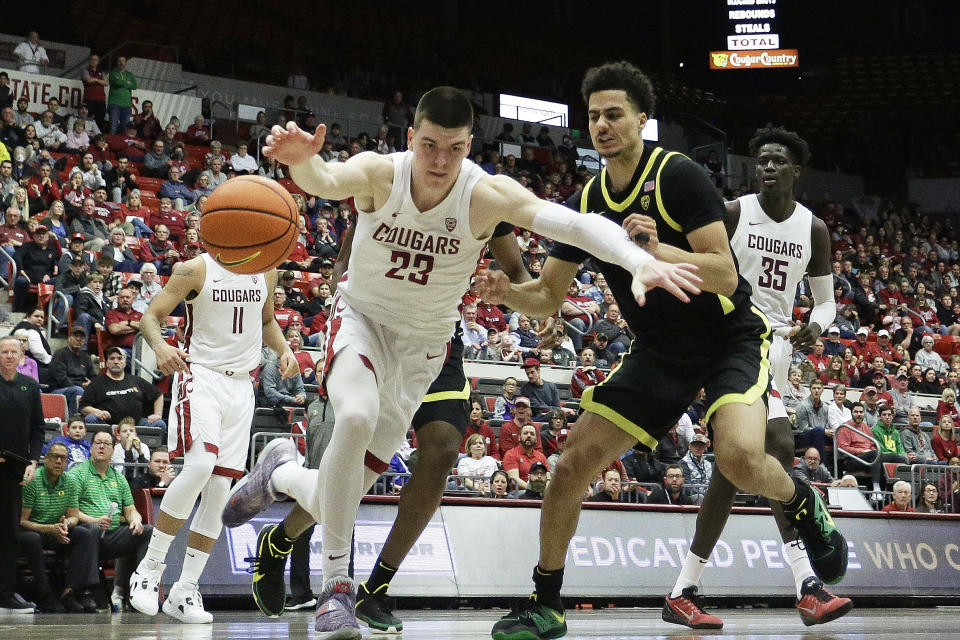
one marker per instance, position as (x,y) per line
(819,605)
(685,609)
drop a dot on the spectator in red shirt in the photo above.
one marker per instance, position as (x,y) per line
(490,316)
(280,310)
(819,360)
(586,375)
(510,431)
(94,95)
(579,311)
(123,322)
(887,349)
(12,234)
(43,185)
(944,440)
(198,132)
(864,349)
(170,218)
(128,144)
(159,250)
(518,460)
(148,126)
(902,493)
(304,359)
(478,425)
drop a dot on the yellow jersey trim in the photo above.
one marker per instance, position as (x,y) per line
(755,392)
(621,206)
(463,394)
(583,196)
(726,304)
(663,211)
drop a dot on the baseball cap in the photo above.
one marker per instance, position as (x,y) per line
(287,275)
(195,245)
(77,236)
(538,465)
(699,438)
(522,400)
(902,376)
(327,203)
(326,262)
(111,350)
(923,340)
(42,229)
(835,330)
(863,331)
(296,317)
(77,329)
(562,434)
(879,374)
(883,333)
(531,362)
(869,389)
(76,261)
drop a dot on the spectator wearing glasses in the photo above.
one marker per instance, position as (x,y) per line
(672,491)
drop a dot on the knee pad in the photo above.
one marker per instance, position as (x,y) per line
(213,499)
(182,494)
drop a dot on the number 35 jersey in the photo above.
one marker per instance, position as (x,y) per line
(772,256)
(409,268)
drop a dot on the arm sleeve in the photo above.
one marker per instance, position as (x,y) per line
(824,307)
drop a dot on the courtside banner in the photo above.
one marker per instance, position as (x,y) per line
(477,551)
(38,89)
(755,59)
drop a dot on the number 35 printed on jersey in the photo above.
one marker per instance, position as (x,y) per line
(413,267)
(774,274)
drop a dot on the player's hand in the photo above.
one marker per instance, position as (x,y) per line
(673,278)
(171,359)
(804,335)
(493,286)
(292,145)
(643,230)
(289,366)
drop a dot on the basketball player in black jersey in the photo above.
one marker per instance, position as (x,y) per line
(717,341)
(440,424)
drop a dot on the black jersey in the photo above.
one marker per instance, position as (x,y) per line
(677,193)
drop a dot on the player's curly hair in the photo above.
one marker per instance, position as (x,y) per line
(624,76)
(797,146)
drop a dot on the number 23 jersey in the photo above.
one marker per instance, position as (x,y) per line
(772,256)
(409,268)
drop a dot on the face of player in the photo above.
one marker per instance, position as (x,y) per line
(438,153)
(615,123)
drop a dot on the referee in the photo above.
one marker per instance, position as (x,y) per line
(21,436)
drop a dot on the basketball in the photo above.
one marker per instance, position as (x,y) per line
(250,224)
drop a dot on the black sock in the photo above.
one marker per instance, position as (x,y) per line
(548,584)
(798,495)
(381,575)
(283,542)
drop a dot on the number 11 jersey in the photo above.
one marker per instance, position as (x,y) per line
(772,256)
(408,268)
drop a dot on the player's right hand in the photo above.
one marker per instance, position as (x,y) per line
(643,231)
(292,145)
(674,278)
(170,359)
(493,286)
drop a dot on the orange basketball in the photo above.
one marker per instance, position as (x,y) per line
(250,224)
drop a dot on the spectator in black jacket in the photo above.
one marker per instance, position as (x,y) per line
(295,298)
(672,491)
(71,369)
(643,467)
(37,262)
(544,397)
(671,447)
(91,306)
(159,472)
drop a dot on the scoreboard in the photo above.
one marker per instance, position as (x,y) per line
(752,38)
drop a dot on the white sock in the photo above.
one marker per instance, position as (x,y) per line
(299,483)
(876,487)
(799,564)
(336,562)
(193,563)
(158,547)
(693,566)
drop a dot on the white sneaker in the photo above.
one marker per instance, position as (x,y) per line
(186,605)
(145,586)
(116,602)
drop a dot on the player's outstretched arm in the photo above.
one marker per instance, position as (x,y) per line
(273,336)
(500,198)
(334,180)
(186,281)
(540,298)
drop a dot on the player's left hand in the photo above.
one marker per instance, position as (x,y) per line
(289,366)
(804,335)
(493,286)
(673,278)
(643,231)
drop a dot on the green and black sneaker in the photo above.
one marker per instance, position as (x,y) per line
(826,546)
(269,587)
(530,620)
(374,610)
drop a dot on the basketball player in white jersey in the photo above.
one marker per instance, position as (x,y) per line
(424,216)
(775,240)
(229,318)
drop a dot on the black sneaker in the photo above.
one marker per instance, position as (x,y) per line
(70,602)
(530,620)
(375,611)
(50,604)
(88,603)
(825,545)
(300,603)
(269,589)
(14,603)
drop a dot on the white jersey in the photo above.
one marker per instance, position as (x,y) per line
(773,256)
(224,329)
(409,269)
